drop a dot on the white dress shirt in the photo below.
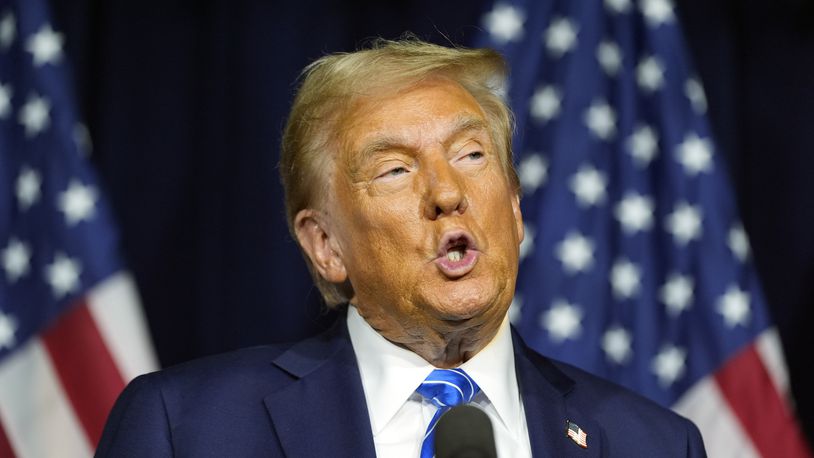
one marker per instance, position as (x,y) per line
(399,416)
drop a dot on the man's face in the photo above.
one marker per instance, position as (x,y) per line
(425,220)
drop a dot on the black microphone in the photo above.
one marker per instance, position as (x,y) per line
(464,432)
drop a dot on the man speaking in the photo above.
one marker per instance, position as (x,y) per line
(400,190)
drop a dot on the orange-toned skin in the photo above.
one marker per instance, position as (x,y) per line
(414,165)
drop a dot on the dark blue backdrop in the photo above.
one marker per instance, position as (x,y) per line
(186,100)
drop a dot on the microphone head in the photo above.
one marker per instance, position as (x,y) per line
(464,432)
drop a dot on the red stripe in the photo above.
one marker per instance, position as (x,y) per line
(747,387)
(85,367)
(5,446)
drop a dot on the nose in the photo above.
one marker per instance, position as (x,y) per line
(445,193)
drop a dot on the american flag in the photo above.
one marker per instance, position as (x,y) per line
(635,265)
(71,329)
(576,434)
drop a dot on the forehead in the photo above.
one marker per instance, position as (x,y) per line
(428,111)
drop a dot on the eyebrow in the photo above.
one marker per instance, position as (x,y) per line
(463,123)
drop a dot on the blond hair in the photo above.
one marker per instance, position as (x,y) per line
(332,83)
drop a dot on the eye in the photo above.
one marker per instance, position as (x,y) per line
(396,172)
(472,157)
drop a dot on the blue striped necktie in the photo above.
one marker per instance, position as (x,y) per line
(445,388)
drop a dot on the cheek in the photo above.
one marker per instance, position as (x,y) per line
(502,219)
(382,235)
(383,223)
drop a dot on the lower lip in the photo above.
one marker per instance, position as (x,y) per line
(457,269)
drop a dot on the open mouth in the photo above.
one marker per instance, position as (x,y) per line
(457,254)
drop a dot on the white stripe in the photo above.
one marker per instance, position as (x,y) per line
(443,382)
(771,353)
(464,375)
(36,415)
(115,308)
(432,428)
(723,435)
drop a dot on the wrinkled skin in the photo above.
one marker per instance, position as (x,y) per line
(415,165)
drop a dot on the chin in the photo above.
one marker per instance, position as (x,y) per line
(465,302)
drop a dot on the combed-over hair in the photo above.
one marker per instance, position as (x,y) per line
(331,85)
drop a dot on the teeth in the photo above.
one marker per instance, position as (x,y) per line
(455,255)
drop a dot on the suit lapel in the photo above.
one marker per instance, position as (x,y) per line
(323,411)
(545,389)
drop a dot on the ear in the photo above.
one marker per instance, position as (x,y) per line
(313,233)
(518,217)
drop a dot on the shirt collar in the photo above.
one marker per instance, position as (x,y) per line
(493,370)
(390,374)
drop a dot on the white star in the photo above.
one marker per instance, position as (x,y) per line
(45,46)
(684,223)
(8,326)
(527,245)
(27,188)
(610,57)
(625,278)
(643,145)
(516,309)
(601,119)
(656,12)
(668,365)
(734,306)
(546,103)
(63,275)
(560,37)
(617,6)
(677,293)
(650,74)
(562,321)
(739,243)
(588,184)
(533,171)
(635,213)
(616,344)
(8,30)
(16,259)
(78,202)
(695,92)
(695,154)
(504,23)
(5,100)
(576,253)
(34,115)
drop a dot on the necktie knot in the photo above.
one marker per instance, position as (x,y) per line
(448,387)
(445,388)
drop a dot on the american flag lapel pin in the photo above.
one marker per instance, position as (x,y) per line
(576,434)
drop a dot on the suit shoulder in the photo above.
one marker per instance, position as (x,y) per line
(250,358)
(245,370)
(603,395)
(198,406)
(630,421)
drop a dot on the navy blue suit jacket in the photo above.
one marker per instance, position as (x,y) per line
(306,400)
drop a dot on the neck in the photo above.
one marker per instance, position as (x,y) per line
(444,344)
(451,348)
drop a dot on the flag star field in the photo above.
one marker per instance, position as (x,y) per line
(635,264)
